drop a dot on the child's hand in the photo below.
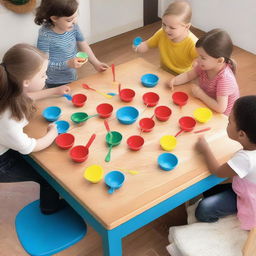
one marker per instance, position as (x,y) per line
(197,91)
(52,128)
(63,89)
(100,66)
(201,145)
(171,83)
(76,63)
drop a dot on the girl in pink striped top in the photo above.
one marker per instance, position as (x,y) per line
(215,72)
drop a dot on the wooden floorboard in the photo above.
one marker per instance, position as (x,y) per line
(150,240)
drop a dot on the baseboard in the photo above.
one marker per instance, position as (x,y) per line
(114,32)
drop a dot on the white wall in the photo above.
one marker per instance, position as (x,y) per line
(114,17)
(237,17)
(20,28)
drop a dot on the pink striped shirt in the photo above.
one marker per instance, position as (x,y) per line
(223,84)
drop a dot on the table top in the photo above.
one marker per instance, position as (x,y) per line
(151,185)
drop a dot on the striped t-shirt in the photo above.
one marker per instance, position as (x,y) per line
(224,84)
(60,48)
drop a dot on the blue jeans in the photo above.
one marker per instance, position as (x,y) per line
(219,201)
(13,168)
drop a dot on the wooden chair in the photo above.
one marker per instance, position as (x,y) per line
(222,238)
(43,235)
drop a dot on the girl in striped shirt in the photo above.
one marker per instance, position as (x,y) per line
(60,37)
(215,72)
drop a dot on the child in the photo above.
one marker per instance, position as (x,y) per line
(225,199)
(23,73)
(175,41)
(59,38)
(215,71)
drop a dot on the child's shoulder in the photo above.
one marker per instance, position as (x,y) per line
(45,31)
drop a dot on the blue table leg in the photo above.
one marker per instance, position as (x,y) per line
(112,243)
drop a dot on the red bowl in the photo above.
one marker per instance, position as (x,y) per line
(104,110)
(79,99)
(127,95)
(180,98)
(163,113)
(187,123)
(150,99)
(135,142)
(65,140)
(146,124)
(79,153)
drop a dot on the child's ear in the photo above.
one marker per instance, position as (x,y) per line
(242,134)
(53,18)
(26,83)
(188,25)
(221,60)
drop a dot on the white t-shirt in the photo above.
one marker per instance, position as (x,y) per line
(244,164)
(12,135)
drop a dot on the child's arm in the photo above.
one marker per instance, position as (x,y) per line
(141,48)
(99,66)
(60,90)
(183,78)
(219,105)
(48,139)
(250,244)
(223,171)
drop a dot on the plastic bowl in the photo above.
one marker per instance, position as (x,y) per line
(137,41)
(127,95)
(52,113)
(104,110)
(167,161)
(62,126)
(150,99)
(146,124)
(135,142)
(94,173)
(79,117)
(203,115)
(163,113)
(114,138)
(168,142)
(180,98)
(127,115)
(65,140)
(149,80)
(79,99)
(114,180)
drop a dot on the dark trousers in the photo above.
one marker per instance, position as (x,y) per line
(219,201)
(13,168)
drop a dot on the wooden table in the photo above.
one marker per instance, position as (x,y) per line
(147,195)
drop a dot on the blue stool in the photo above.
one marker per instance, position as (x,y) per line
(45,235)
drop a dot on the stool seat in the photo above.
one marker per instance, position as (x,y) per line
(43,235)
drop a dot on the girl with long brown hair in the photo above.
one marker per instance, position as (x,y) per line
(22,76)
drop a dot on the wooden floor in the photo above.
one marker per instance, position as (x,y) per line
(150,240)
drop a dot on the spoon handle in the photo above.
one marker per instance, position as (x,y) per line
(178,133)
(111,190)
(108,156)
(90,140)
(104,94)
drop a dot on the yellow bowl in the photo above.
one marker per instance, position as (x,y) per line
(94,173)
(168,142)
(202,115)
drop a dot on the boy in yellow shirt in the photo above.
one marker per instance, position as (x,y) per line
(175,41)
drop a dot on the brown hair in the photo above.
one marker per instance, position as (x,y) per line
(179,8)
(20,62)
(217,43)
(59,8)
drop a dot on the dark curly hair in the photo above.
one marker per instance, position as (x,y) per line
(59,8)
(244,111)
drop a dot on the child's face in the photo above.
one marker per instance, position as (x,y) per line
(65,24)
(232,131)
(205,61)
(174,27)
(37,82)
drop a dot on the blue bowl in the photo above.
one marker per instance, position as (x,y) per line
(167,161)
(114,180)
(52,113)
(127,115)
(137,41)
(149,80)
(62,126)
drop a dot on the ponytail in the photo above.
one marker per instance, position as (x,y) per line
(232,64)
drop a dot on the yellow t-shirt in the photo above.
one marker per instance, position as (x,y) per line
(177,57)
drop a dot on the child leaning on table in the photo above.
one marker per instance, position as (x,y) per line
(60,37)
(240,197)
(22,78)
(175,41)
(215,71)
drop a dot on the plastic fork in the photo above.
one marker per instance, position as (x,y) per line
(86,86)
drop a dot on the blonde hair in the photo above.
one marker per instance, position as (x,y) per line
(180,8)
(20,62)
